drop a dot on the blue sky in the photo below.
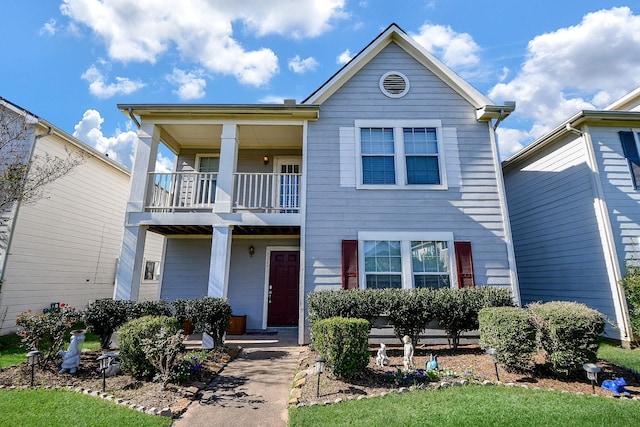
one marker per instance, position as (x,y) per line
(71,61)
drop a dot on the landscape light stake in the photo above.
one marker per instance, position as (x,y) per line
(592,374)
(33,358)
(105,363)
(494,358)
(320,361)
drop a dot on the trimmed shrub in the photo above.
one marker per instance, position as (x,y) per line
(569,334)
(212,316)
(512,332)
(356,303)
(182,309)
(104,316)
(150,308)
(409,311)
(163,352)
(131,335)
(457,309)
(344,343)
(631,285)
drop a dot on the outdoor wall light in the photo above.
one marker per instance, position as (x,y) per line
(592,374)
(252,251)
(265,159)
(33,358)
(494,358)
(105,363)
(320,361)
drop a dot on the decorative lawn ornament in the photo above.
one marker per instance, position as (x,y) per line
(407,360)
(71,357)
(381,358)
(616,385)
(432,363)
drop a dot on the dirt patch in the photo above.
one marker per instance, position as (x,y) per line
(135,392)
(468,361)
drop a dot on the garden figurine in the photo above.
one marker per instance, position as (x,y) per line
(382,358)
(616,386)
(432,363)
(71,357)
(407,360)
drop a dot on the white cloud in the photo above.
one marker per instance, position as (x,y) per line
(164,164)
(202,31)
(99,88)
(579,67)
(510,141)
(191,85)
(344,57)
(301,66)
(119,147)
(457,50)
(49,28)
(272,99)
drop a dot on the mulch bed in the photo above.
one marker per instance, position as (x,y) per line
(374,380)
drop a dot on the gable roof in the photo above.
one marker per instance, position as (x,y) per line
(628,102)
(395,34)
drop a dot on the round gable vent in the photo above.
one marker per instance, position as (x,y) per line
(394,84)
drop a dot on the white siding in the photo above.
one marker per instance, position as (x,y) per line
(470,208)
(557,241)
(65,246)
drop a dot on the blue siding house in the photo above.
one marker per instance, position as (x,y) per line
(574,201)
(386,176)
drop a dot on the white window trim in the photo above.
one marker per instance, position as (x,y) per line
(156,271)
(399,155)
(405,238)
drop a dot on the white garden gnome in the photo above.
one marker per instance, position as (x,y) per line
(381,358)
(407,360)
(71,357)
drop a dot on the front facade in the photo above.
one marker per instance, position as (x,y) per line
(63,248)
(386,176)
(574,201)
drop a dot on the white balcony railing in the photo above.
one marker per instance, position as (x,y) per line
(264,192)
(181,190)
(268,192)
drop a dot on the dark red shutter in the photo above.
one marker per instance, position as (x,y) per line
(349,264)
(464,264)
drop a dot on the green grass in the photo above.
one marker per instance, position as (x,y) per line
(12,353)
(473,406)
(37,407)
(620,356)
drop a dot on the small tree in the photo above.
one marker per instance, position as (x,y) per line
(163,352)
(104,316)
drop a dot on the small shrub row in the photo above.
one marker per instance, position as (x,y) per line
(410,311)
(567,332)
(343,342)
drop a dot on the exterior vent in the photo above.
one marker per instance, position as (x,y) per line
(394,84)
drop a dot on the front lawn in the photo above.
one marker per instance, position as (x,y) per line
(473,406)
(37,407)
(620,356)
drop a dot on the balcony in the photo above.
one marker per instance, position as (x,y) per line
(195,192)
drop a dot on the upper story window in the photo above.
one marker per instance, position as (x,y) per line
(630,142)
(403,154)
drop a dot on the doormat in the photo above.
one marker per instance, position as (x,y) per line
(262,332)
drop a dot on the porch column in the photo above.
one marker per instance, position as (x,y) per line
(220,262)
(130,264)
(133,239)
(228,160)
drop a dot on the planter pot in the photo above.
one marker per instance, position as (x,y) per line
(188,327)
(237,325)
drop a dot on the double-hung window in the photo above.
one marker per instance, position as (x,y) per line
(406,259)
(403,154)
(630,142)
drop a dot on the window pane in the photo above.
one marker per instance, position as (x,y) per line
(382,256)
(429,257)
(376,141)
(378,170)
(420,141)
(381,281)
(431,281)
(422,170)
(209,164)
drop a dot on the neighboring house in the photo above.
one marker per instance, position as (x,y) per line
(574,202)
(65,247)
(386,176)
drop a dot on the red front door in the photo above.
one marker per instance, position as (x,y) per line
(284,273)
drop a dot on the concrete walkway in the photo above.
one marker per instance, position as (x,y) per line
(253,389)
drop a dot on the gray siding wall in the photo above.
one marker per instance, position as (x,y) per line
(186,268)
(470,207)
(623,200)
(559,253)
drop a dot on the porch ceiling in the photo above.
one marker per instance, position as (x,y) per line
(238,230)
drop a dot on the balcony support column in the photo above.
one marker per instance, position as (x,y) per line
(227,168)
(130,264)
(144,162)
(220,262)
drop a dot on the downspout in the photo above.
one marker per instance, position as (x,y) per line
(15,215)
(500,118)
(130,110)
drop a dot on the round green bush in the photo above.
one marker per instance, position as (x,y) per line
(343,343)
